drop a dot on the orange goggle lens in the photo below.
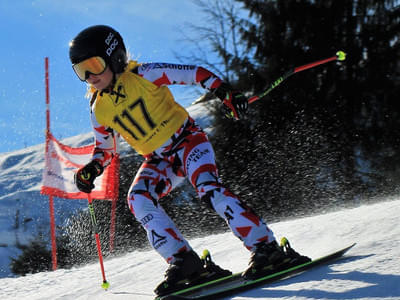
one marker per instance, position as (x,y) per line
(94,65)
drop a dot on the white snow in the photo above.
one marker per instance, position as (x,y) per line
(370,270)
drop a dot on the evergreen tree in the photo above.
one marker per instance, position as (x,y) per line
(327,133)
(357,102)
(35,257)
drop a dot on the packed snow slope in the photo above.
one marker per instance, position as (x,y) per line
(370,270)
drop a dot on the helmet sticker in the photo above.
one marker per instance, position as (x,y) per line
(112,45)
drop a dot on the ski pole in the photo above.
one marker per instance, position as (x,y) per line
(105,285)
(340,56)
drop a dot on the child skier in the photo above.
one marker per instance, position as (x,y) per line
(133,99)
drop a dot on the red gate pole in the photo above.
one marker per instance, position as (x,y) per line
(51,200)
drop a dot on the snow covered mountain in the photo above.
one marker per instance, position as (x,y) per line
(23,210)
(369,271)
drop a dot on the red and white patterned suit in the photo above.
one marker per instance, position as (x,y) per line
(137,110)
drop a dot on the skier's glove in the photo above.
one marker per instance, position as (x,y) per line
(235,104)
(86,175)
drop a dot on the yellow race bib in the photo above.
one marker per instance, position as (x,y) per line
(144,114)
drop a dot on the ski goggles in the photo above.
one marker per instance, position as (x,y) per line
(93,65)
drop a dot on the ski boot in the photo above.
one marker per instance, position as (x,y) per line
(211,270)
(187,266)
(268,258)
(189,270)
(296,258)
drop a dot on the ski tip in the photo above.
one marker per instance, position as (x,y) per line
(351,246)
(344,250)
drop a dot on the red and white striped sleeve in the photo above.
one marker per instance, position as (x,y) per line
(167,74)
(104,149)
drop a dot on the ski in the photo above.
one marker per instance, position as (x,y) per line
(235,283)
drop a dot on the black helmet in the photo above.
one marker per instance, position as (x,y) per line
(99,40)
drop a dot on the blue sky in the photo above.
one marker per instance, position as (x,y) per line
(33,30)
